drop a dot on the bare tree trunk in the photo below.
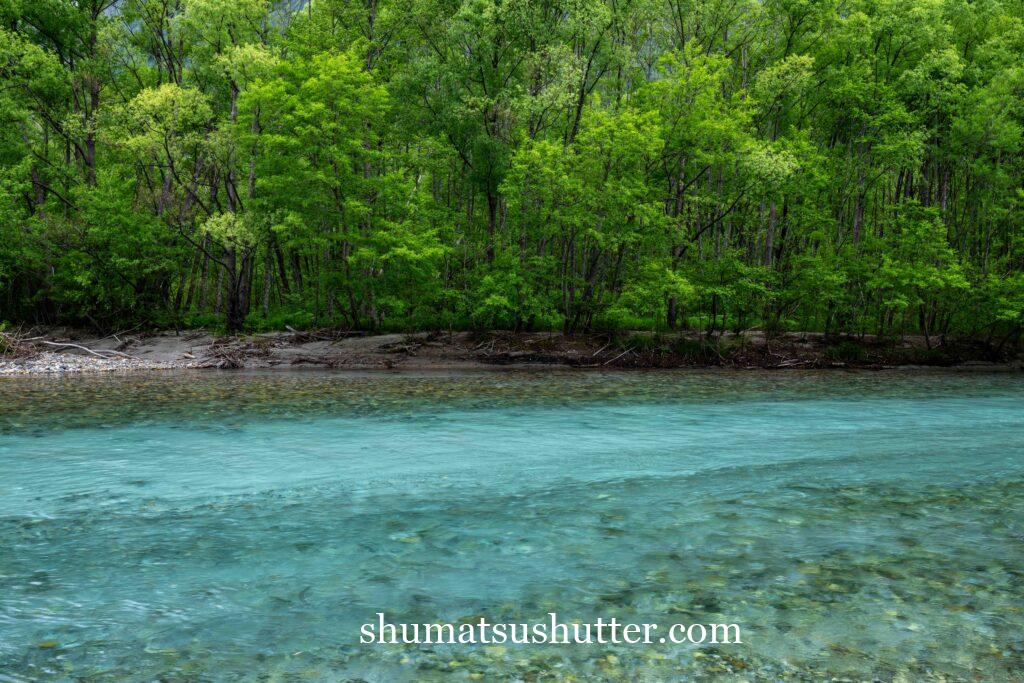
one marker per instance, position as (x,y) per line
(268,266)
(205,273)
(219,302)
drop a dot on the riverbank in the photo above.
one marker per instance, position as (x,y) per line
(59,351)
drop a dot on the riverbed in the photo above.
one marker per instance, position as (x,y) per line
(215,526)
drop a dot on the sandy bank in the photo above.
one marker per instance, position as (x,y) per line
(65,351)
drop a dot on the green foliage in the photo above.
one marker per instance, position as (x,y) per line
(849,167)
(647,294)
(507,297)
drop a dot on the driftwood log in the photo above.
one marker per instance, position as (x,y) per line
(98,353)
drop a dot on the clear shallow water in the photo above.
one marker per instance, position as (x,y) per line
(212,527)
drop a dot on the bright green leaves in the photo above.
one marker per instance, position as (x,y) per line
(323,180)
(513,295)
(544,190)
(594,196)
(647,292)
(163,121)
(779,86)
(614,154)
(230,229)
(1007,299)
(243,64)
(217,25)
(34,73)
(313,126)
(701,122)
(914,263)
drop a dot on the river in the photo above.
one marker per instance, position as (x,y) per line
(221,526)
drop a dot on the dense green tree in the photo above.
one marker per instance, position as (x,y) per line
(564,164)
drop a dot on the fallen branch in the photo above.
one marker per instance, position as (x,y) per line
(98,354)
(619,356)
(302,337)
(794,362)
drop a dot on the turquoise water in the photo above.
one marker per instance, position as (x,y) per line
(215,527)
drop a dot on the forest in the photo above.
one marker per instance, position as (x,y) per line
(846,166)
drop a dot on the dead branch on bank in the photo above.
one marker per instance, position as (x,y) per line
(327,335)
(619,356)
(99,353)
(14,345)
